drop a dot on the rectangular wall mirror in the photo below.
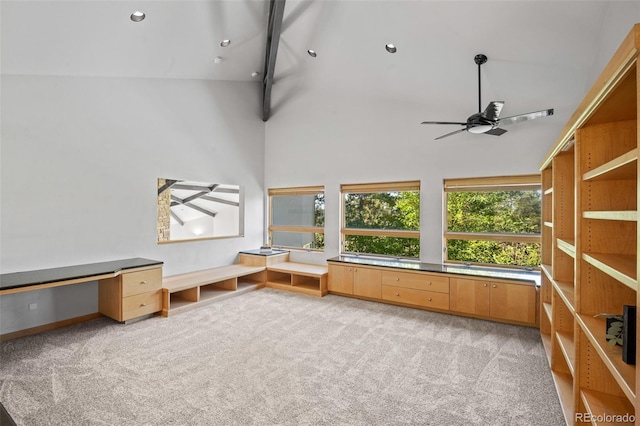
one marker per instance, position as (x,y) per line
(189,210)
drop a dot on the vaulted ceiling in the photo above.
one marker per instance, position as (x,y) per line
(541,53)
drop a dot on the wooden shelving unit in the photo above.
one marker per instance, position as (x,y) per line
(590,245)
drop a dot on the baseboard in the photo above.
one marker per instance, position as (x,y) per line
(47,327)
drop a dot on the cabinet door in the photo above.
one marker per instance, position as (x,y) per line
(513,302)
(340,279)
(367,282)
(469,296)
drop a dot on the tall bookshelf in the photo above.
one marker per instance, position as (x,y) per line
(590,245)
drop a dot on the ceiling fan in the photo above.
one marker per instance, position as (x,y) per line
(488,121)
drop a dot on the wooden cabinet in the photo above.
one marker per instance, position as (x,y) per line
(470,296)
(512,302)
(131,294)
(355,280)
(340,279)
(506,300)
(590,243)
(367,282)
(416,288)
(409,296)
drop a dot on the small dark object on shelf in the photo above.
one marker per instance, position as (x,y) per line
(629,337)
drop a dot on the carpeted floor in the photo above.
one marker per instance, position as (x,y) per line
(271,357)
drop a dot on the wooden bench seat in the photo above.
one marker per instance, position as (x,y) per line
(298,277)
(186,291)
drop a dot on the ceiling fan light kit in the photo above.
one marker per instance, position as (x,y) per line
(488,121)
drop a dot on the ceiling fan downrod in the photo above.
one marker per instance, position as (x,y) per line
(479,60)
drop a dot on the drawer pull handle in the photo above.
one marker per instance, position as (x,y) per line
(494,286)
(397,294)
(143,304)
(429,299)
(397,279)
(143,282)
(485,284)
(429,282)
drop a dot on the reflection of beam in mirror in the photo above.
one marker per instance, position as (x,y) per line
(168,183)
(177,218)
(220,200)
(190,210)
(194,196)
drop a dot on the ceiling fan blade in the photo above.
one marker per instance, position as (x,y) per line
(444,122)
(492,111)
(496,132)
(525,117)
(450,134)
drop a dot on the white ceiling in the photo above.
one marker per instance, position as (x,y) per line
(538,50)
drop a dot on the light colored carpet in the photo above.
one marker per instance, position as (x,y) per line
(271,357)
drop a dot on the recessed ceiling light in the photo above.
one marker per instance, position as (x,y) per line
(217,60)
(255,74)
(137,16)
(312,53)
(391,48)
(225,43)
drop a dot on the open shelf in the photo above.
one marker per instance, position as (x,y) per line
(566,292)
(547,309)
(619,266)
(298,277)
(624,215)
(565,341)
(567,246)
(276,277)
(624,374)
(608,407)
(564,387)
(623,167)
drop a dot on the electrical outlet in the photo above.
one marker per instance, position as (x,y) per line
(33,306)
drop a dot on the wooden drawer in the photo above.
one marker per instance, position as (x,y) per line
(141,281)
(428,299)
(418,281)
(141,304)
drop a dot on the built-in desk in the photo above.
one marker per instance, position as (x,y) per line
(128,288)
(499,294)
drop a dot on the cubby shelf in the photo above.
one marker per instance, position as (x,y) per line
(624,374)
(547,310)
(625,215)
(601,404)
(566,292)
(567,246)
(624,167)
(590,245)
(565,341)
(618,266)
(564,387)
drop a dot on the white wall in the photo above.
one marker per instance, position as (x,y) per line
(330,136)
(79,168)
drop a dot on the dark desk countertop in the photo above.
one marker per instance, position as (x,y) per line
(44,276)
(468,270)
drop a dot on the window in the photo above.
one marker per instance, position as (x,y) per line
(493,220)
(296,217)
(381,219)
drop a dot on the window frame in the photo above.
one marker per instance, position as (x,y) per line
(367,188)
(289,191)
(488,184)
